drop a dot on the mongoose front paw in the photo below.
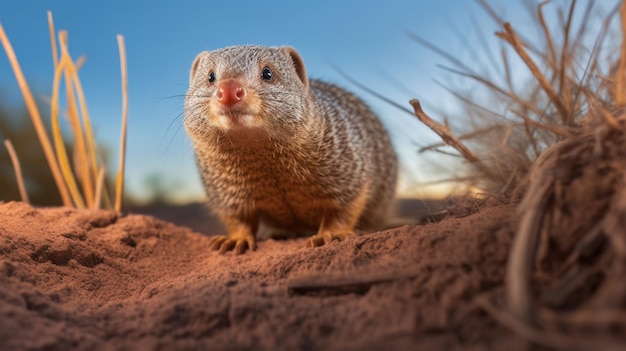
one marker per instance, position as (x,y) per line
(239,245)
(323,238)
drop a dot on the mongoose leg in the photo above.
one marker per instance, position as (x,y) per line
(241,236)
(339,224)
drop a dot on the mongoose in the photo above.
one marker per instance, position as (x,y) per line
(273,146)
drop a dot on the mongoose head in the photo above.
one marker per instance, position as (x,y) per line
(245,91)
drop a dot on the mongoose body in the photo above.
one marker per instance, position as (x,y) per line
(273,146)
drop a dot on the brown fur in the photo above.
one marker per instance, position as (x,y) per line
(295,153)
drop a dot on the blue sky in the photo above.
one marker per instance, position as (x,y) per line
(365,39)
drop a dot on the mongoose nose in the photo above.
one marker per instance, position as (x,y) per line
(230,92)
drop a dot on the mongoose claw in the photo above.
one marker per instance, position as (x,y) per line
(224,244)
(216,241)
(324,238)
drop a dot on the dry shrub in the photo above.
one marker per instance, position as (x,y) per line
(560,146)
(509,118)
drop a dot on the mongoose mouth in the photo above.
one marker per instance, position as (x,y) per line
(236,119)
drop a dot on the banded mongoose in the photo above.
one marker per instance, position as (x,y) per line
(273,146)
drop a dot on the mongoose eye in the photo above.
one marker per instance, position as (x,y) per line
(267,74)
(211,77)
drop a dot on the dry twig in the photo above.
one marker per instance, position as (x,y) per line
(449,138)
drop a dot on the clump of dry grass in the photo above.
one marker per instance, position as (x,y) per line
(82,185)
(569,86)
(561,147)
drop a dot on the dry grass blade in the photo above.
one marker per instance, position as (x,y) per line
(72,81)
(119,185)
(512,38)
(373,92)
(507,69)
(470,102)
(85,140)
(620,77)
(89,145)
(92,147)
(500,21)
(564,91)
(99,187)
(557,130)
(441,52)
(18,170)
(36,118)
(471,135)
(80,146)
(53,42)
(495,88)
(61,152)
(523,253)
(546,32)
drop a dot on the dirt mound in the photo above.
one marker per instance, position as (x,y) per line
(89,280)
(568,262)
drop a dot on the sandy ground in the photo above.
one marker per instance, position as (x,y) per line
(96,280)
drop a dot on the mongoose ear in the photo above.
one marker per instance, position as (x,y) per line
(298,64)
(194,66)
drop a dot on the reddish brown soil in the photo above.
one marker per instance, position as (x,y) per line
(95,280)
